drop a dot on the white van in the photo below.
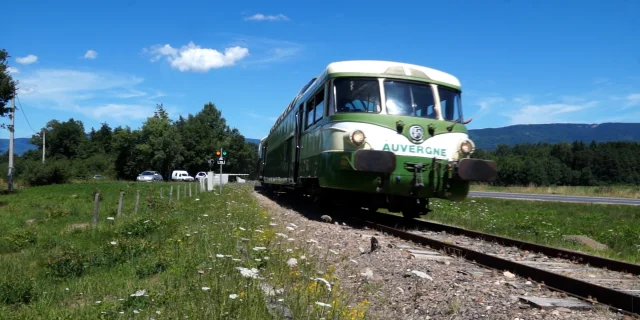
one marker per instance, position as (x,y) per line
(181,175)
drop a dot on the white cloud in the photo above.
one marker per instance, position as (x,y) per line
(13,70)
(632,100)
(259,116)
(602,81)
(265,50)
(546,113)
(118,111)
(522,99)
(486,103)
(28,59)
(194,58)
(131,94)
(91,54)
(89,93)
(262,17)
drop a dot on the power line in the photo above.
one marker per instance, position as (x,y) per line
(25,116)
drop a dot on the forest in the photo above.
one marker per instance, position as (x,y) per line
(161,144)
(566,164)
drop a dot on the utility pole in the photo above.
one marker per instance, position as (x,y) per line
(43,144)
(11,130)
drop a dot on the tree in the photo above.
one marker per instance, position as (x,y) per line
(7,84)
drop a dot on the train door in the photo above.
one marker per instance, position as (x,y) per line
(298,142)
(263,160)
(289,145)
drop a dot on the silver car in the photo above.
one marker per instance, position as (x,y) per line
(149,176)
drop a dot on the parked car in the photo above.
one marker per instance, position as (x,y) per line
(181,175)
(201,175)
(150,176)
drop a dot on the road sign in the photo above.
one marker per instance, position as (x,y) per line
(220,161)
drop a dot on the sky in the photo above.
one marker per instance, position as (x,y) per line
(519,62)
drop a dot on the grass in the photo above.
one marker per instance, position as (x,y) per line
(617,226)
(604,191)
(212,257)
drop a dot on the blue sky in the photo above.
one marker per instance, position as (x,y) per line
(518,61)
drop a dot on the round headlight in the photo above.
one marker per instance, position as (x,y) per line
(357,137)
(467,147)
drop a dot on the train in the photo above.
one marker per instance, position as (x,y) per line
(374,135)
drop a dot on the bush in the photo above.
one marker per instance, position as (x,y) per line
(52,172)
(16,291)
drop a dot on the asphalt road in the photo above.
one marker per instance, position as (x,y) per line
(554,198)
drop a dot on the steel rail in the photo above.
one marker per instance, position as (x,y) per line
(588,291)
(580,257)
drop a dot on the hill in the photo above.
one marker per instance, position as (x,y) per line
(20,145)
(489,138)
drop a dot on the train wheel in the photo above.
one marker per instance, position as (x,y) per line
(413,208)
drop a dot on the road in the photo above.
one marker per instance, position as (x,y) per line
(555,198)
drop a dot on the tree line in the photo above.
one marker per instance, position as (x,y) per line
(161,144)
(567,164)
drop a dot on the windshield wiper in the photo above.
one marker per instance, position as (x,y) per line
(449,128)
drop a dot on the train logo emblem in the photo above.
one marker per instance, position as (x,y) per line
(416,133)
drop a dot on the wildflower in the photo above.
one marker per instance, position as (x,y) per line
(322,304)
(326,283)
(205,215)
(98,302)
(206,288)
(259,248)
(292,262)
(219,255)
(257,230)
(113,243)
(111,218)
(241,228)
(248,273)
(273,224)
(139,293)
(233,296)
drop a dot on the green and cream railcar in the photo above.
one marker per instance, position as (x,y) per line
(374,134)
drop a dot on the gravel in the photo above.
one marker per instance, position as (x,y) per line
(603,277)
(402,285)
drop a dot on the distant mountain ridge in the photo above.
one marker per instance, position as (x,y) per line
(489,138)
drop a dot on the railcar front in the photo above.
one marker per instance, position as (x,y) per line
(395,141)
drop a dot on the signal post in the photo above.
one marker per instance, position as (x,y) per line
(221,157)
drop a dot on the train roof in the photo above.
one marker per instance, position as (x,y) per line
(391,68)
(371,68)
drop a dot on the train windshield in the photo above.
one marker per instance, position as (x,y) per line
(357,95)
(417,99)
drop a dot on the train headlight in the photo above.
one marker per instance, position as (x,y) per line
(467,147)
(357,137)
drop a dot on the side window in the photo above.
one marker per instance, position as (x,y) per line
(319,101)
(310,108)
(315,108)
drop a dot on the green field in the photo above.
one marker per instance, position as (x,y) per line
(604,191)
(171,260)
(616,226)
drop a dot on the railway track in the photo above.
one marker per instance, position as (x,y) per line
(591,278)
(595,279)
